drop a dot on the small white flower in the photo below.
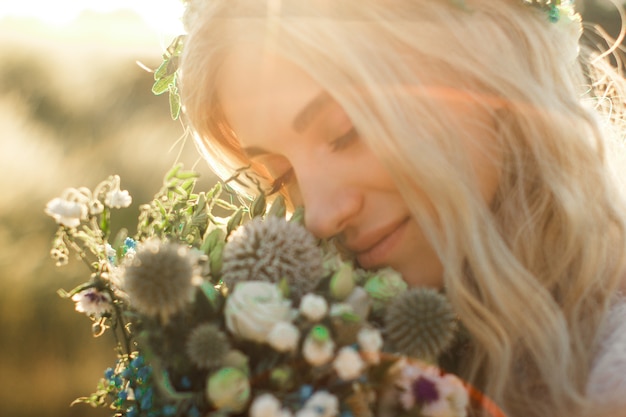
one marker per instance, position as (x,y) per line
(318,353)
(115,197)
(110,252)
(348,364)
(95,207)
(325,403)
(339,309)
(118,198)
(67,213)
(71,207)
(370,341)
(453,402)
(266,405)
(446,395)
(92,302)
(283,337)
(313,307)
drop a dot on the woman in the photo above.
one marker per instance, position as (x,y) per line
(461,143)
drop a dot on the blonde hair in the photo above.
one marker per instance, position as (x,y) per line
(531,274)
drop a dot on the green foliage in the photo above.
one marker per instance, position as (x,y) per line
(166,76)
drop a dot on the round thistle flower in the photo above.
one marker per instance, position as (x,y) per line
(420,323)
(207,346)
(270,250)
(160,279)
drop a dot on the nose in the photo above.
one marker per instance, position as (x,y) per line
(331,202)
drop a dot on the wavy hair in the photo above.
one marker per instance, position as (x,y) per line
(532,273)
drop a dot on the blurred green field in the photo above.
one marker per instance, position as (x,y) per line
(73,110)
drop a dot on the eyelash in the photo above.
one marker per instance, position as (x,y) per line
(279,182)
(337,145)
(344,140)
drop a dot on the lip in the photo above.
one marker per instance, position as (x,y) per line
(375,254)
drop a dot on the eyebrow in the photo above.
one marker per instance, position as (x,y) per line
(300,122)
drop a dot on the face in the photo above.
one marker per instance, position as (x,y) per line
(285,121)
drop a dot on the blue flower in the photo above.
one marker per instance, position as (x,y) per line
(144,373)
(109,373)
(132,411)
(146,401)
(193,412)
(127,373)
(168,410)
(129,244)
(185,382)
(305,392)
(137,362)
(116,381)
(139,393)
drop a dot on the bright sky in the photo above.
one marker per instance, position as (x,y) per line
(162,15)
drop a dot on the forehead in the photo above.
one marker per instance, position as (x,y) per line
(260,92)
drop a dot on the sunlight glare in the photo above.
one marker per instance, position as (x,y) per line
(163,17)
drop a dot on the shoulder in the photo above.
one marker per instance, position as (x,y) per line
(607,380)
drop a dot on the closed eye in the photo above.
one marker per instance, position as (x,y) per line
(280,182)
(344,140)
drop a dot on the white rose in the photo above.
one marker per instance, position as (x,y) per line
(313,307)
(318,353)
(253,308)
(348,364)
(283,337)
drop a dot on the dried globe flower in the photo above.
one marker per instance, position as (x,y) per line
(207,346)
(160,279)
(420,323)
(270,250)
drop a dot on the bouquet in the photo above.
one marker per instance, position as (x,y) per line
(225,306)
